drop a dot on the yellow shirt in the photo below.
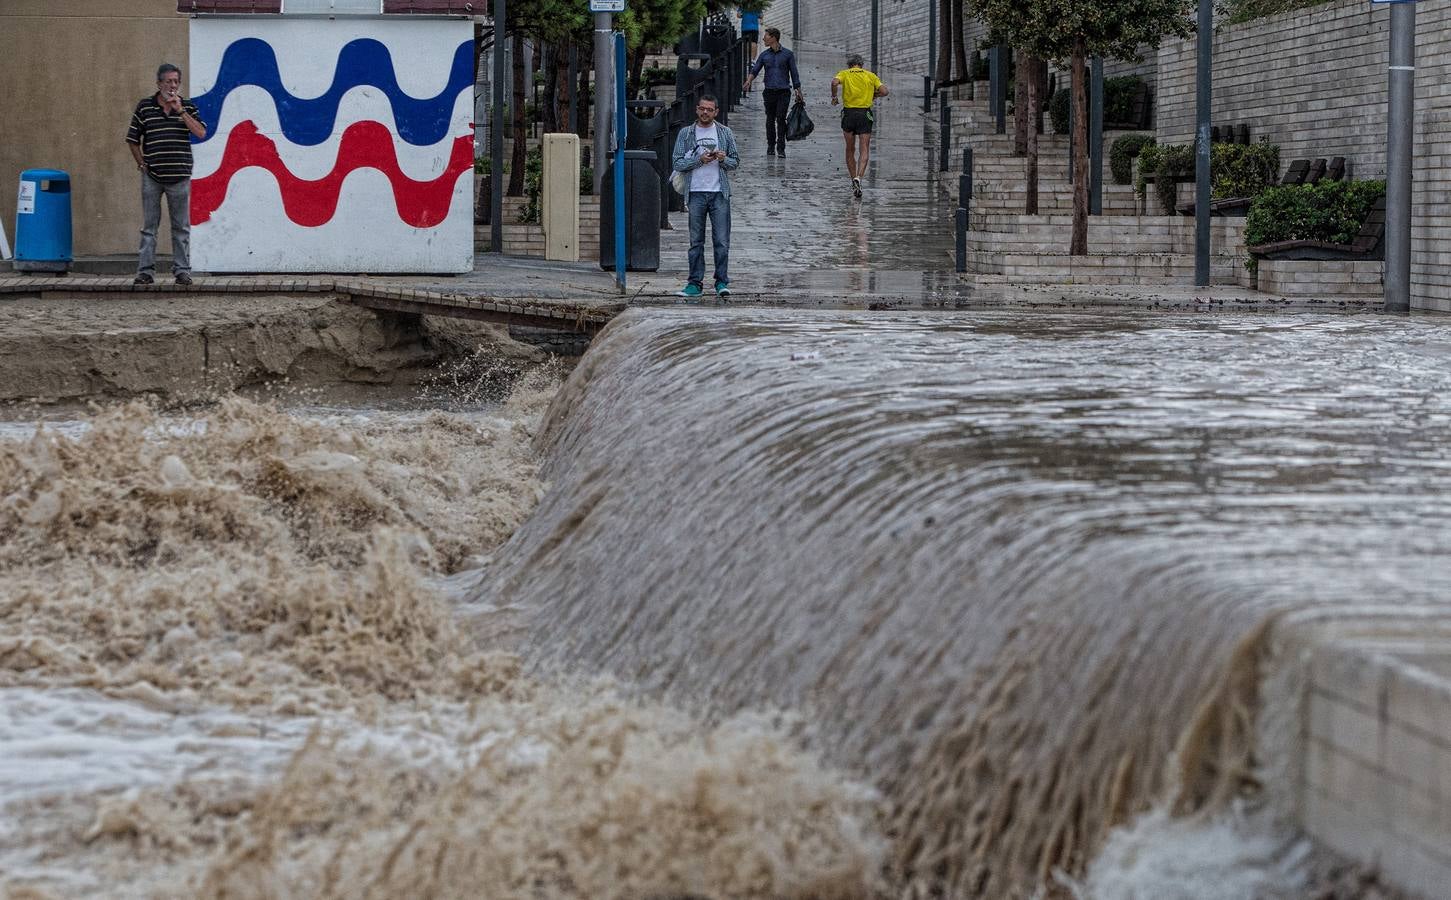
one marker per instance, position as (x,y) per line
(858,87)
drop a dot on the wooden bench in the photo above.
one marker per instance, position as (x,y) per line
(1369,243)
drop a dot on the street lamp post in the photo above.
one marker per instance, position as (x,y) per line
(1400,140)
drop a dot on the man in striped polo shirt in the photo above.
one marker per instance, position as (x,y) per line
(160,138)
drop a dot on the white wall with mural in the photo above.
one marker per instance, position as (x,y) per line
(334,145)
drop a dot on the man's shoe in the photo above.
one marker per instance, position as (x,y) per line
(722,289)
(183,278)
(144,278)
(856,188)
(781,151)
(770,151)
(691,290)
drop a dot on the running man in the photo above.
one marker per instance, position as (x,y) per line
(859,90)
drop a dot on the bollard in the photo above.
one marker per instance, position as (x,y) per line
(961,240)
(945,126)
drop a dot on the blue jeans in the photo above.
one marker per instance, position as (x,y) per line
(701,204)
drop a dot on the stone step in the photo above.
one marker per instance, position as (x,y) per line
(1316,277)
(1150,268)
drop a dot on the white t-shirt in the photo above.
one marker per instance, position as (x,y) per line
(707,177)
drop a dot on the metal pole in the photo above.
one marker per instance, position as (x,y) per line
(1095,139)
(876,33)
(961,240)
(1400,140)
(992,82)
(932,40)
(621,132)
(1000,94)
(496,133)
(944,125)
(603,91)
(1201,143)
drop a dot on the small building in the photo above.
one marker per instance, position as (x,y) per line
(339,131)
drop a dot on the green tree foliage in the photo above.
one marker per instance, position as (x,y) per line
(1073,30)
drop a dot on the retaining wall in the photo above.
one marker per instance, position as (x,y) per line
(1314,82)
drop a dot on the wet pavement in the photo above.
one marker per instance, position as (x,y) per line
(798,235)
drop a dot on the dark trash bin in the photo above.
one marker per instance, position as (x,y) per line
(43,221)
(642,214)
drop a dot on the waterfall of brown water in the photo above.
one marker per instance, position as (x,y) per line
(1005,564)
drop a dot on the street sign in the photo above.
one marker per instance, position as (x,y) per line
(606,6)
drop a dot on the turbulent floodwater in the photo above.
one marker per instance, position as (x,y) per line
(1013,569)
(757,605)
(233,664)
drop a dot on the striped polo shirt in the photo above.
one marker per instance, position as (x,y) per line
(165,141)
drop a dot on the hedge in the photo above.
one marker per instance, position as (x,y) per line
(1235,170)
(1121,155)
(1330,211)
(1118,102)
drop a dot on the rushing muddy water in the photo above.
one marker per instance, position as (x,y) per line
(1013,569)
(904,605)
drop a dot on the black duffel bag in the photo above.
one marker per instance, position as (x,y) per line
(798,124)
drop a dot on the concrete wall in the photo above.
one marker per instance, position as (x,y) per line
(1314,82)
(1374,774)
(73,71)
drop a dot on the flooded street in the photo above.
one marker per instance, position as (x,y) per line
(905,597)
(1011,568)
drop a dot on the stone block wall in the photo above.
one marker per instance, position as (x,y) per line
(1376,778)
(847,25)
(1314,82)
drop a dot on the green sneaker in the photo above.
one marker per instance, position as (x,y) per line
(722,289)
(691,290)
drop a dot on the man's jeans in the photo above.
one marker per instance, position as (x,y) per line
(178,203)
(701,204)
(776,100)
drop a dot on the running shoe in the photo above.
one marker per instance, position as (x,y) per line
(856,188)
(691,290)
(722,289)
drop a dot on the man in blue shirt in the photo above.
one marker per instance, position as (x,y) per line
(781,78)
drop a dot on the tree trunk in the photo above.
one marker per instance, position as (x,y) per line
(944,42)
(1023,74)
(585,97)
(548,105)
(1079,245)
(1040,78)
(1028,72)
(959,38)
(562,51)
(516,173)
(637,72)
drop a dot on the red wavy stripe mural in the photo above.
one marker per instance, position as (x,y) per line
(364,145)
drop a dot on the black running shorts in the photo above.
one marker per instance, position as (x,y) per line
(856,120)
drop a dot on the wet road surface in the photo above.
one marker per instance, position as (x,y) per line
(798,235)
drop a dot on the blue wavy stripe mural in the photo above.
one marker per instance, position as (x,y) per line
(420,121)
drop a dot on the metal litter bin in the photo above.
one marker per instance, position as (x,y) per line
(642,214)
(43,221)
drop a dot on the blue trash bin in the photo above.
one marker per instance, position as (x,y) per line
(43,221)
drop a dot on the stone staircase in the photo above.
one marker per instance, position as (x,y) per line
(1006,245)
